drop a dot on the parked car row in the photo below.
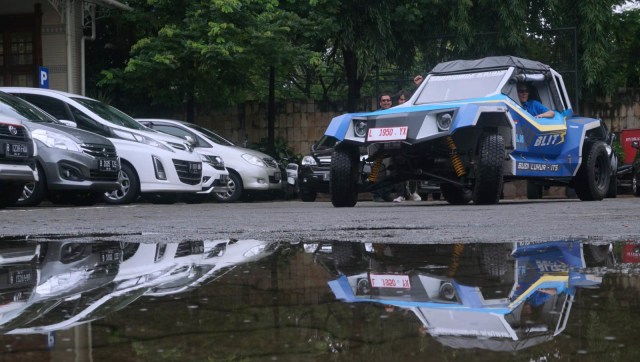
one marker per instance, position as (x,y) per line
(74,149)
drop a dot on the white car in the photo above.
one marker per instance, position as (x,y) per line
(155,165)
(249,170)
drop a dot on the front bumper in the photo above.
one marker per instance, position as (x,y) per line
(314,178)
(68,170)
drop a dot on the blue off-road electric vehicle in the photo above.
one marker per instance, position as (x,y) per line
(465,129)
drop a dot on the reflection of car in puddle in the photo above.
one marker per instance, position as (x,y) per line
(152,269)
(51,272)
(489,296)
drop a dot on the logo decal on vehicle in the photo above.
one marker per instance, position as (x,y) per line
(549,140)
(538,167)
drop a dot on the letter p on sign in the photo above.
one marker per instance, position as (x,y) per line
(44,77)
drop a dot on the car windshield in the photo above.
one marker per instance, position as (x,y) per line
(109,113)
(454,87)
(15,107)
(212,136)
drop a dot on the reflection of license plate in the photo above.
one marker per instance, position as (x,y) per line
(20,277)
(109,256)
(107,165)
(387,134)
(390,281)
(17,150)
(195,167)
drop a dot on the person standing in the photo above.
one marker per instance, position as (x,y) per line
(383,194)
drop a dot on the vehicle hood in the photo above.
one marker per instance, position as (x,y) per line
(77,135)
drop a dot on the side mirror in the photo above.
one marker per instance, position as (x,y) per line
(635,145)
(69,123)
(314,146)
(191,140)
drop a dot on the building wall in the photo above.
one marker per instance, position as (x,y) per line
(54,52)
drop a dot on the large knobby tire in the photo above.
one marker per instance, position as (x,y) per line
(592,180)
(344,177)
(534,191)
(456,195)
(234,192)
(9,193)
(129,189)
(488,170)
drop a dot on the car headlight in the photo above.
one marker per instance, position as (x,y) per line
(215,161)
(309,161)
(140,138)
(256,161)
(360,128)
(55,140)
(444,121)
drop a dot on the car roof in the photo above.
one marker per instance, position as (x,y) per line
(490,63)
(40,91)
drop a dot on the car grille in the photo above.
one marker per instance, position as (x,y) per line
(270,162)
(96,175)
(98,150)
(187,173)
(189,247)
(21,134)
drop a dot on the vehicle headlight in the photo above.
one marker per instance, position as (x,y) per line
(444,120)
(215,161)
(256,161)
(309,161)
(360,128)
(140,138)
(256,250)
(56,140)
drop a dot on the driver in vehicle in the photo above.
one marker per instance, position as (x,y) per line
(534,107)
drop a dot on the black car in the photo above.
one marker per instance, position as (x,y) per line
(313,174)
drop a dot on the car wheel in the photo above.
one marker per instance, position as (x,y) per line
(592,180)
(308,195)
(234,192)
(194,198)
(456,195)
(165,198)
(635,181)
(129,187)
(344,177)
(9,193)
(488,169)
(534,191)
(33,193)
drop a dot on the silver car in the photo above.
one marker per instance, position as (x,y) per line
(249,170)
(74,166)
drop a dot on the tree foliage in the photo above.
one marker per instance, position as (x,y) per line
(217,52)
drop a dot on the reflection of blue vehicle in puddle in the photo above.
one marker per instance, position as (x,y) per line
(528,302)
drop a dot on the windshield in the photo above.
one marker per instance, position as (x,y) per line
(454,87)
(212,136)
(17,108)
(110,114)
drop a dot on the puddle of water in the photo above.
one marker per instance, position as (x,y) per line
(253,300)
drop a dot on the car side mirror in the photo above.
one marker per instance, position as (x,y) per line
(191,140)
(314,146)
(635,145)
(69,123)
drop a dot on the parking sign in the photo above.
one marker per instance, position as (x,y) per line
(44,77)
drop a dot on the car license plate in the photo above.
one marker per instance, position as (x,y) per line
(20,277)
(109,256)
(387,134)
(390,281)
(16,150)
(326,176)
(107,165)
(277,176)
